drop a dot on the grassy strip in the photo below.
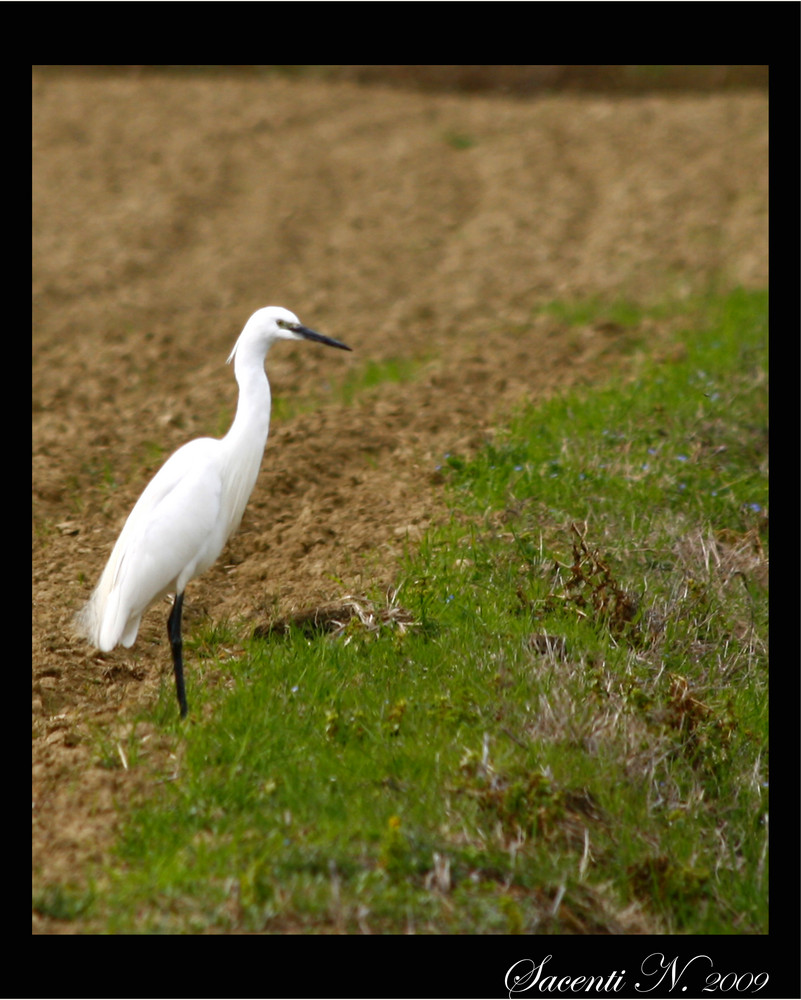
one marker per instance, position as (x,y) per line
(557,724)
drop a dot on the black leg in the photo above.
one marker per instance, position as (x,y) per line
(174,632)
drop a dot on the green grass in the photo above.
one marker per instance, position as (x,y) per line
(557,725)
(374,373)
(358,381)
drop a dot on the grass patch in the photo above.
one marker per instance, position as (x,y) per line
(358,381)
(374,373)
(564,731)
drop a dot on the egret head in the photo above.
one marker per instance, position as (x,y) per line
(275,323)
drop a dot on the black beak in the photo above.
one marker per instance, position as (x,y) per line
(308,334)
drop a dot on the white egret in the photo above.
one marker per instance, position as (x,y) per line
(192,506)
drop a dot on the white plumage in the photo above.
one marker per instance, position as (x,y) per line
(192,506)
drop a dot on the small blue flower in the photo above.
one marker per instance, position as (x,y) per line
(681,458)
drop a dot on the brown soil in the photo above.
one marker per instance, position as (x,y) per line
(412,225)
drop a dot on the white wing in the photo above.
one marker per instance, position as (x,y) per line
(171,535)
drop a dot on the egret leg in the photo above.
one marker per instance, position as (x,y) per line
(174,632)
